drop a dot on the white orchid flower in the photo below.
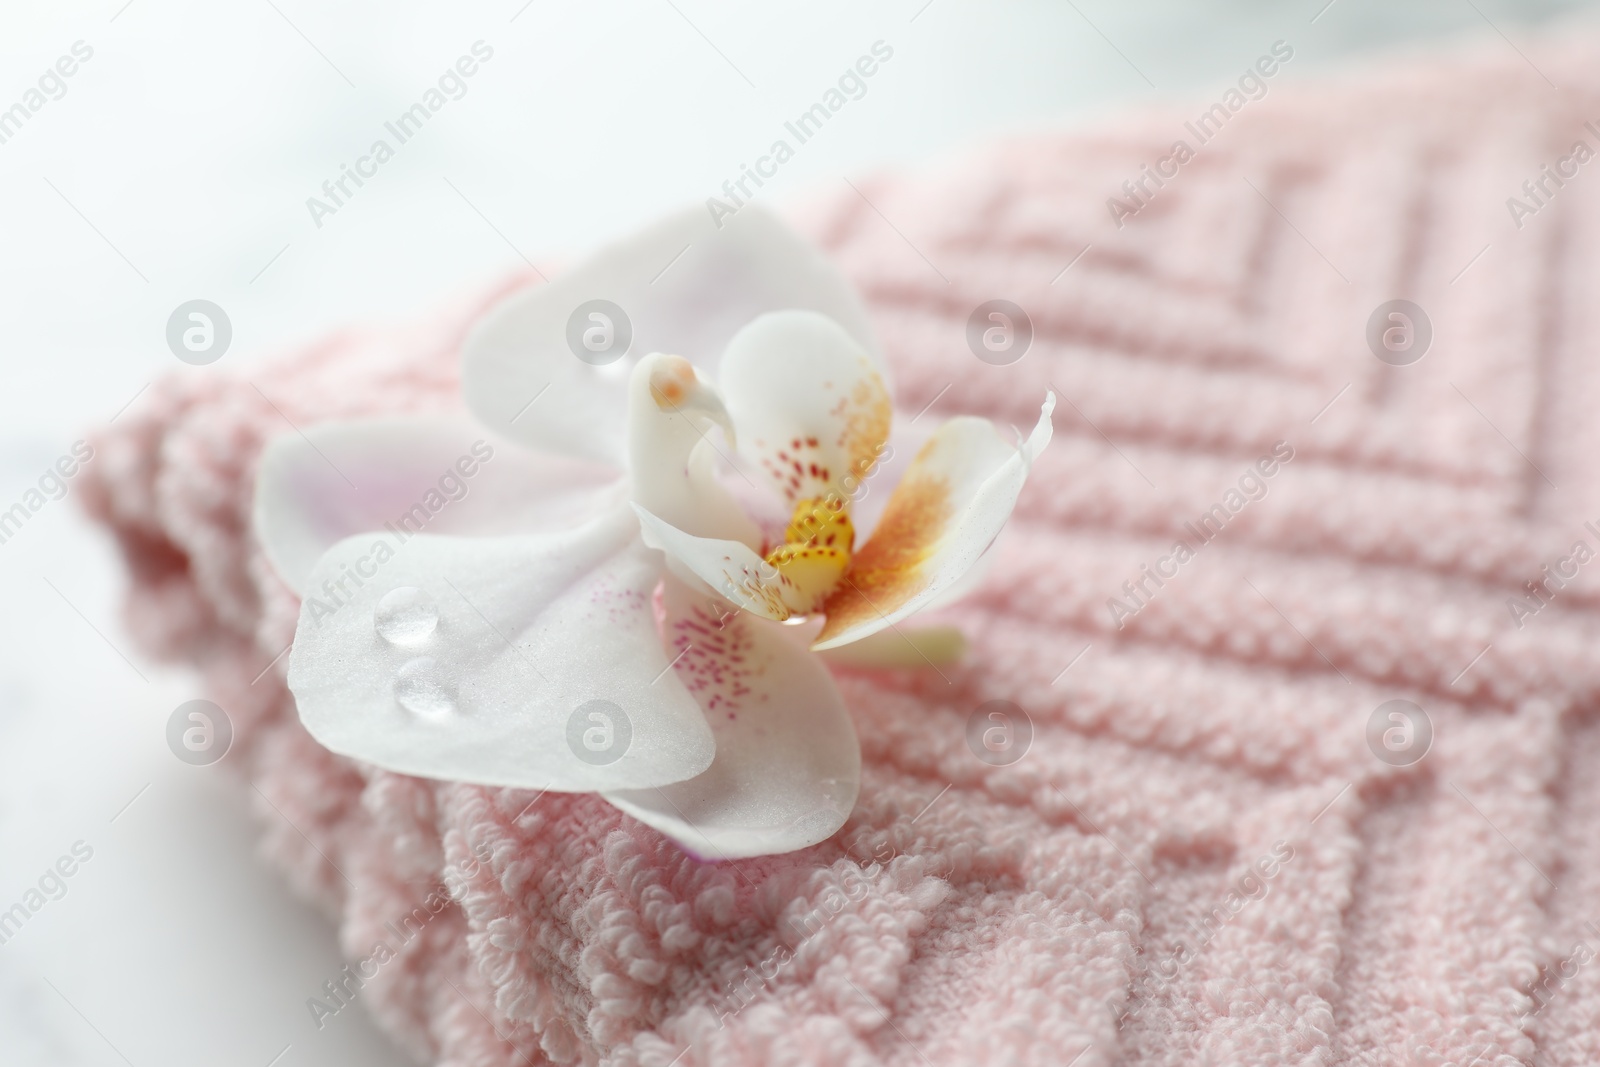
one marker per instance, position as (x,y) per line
(566,596)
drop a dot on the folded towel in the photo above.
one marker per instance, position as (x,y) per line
(1224,844)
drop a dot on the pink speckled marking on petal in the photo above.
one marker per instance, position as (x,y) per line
(713,659)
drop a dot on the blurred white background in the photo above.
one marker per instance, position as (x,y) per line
(177,166)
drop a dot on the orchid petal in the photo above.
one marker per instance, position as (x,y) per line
(906,439)
(968,583)
(941,518)
(728,568)
(683,286)
(532,662)
(810,404)
(441,474)
(788,766)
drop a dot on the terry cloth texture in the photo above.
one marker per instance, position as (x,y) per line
(1201,859)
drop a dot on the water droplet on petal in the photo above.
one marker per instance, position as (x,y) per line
(817,825)
(422,689)
(406,616)
(837,792)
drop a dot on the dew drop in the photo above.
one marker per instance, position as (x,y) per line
(816,825)
(406,616)
(837,792)
(420,687)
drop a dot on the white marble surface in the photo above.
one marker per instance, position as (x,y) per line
(190,142)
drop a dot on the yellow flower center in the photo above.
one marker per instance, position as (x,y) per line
(814,554)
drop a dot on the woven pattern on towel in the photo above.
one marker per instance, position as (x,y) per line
(1034,913)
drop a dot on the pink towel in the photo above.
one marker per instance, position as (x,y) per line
(1217,849)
